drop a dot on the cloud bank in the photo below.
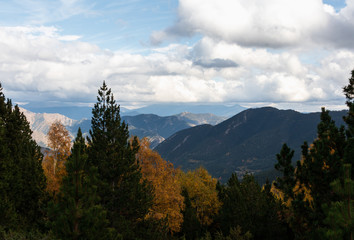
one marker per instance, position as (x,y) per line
(248,51)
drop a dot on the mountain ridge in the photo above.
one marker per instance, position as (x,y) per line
(247,141)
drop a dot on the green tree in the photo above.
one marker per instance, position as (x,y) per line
(321,164)
(307,186)
(349,120)
(191,226)
(287,182)
(22,181)
(340,214)
(76,214)
(124,194)
(246,205)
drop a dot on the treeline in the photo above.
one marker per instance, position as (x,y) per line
(111,186)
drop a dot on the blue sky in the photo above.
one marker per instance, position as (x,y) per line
(283,53)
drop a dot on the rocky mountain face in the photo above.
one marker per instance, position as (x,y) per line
(40,123)
(248,141)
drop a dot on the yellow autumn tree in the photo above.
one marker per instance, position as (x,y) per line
(59,142)
(168,202)
(201,188)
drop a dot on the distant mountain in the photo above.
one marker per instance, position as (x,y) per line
(248,141)
(40,123)
(72,112)
(157,128)
(154,127)
(169,109)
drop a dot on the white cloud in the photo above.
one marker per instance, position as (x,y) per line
(271,23)
(36,65)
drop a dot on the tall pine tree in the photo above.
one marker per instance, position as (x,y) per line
(22,182)
(125,196)
(76,214)
(349,120)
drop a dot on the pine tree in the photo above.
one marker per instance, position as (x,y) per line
(349,119)
(124,195)
(191,226)
(307,186)
(246,205)
(77,214)
(340,214)
(22,187)
(287,182)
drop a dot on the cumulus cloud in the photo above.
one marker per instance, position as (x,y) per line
(270,24)
(37,65)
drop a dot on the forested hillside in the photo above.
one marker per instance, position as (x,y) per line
(245,142)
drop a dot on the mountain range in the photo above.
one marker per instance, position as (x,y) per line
(154,127)
(247,142)
(166,109)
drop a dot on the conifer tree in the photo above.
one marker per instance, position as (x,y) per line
(349,120)
(287,182)
(247,206)
(191,226)
(21,175)
(77,214)
(340,214)
(124,195)
(310,182)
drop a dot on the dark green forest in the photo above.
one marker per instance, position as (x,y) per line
(115,187)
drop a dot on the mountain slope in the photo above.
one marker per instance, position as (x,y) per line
(245,142)
(157,128)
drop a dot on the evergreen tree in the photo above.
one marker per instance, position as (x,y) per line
(22,182)
(349,120)
(340,214)
(124,195)
(322,164)
(247,206)
(191,227)
(308,186)
(76,214)
(287,182)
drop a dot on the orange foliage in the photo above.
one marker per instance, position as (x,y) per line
(201,188)
(297,189)
(168,202)
(54,162)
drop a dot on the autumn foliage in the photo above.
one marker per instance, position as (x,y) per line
(168,202)
(201,188)
(54,162)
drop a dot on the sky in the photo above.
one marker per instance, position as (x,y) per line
(281,53)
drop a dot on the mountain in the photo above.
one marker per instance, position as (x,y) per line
(248,141)
(72,112)
(169,109)
(154,127)
(40,123)
(157,128)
